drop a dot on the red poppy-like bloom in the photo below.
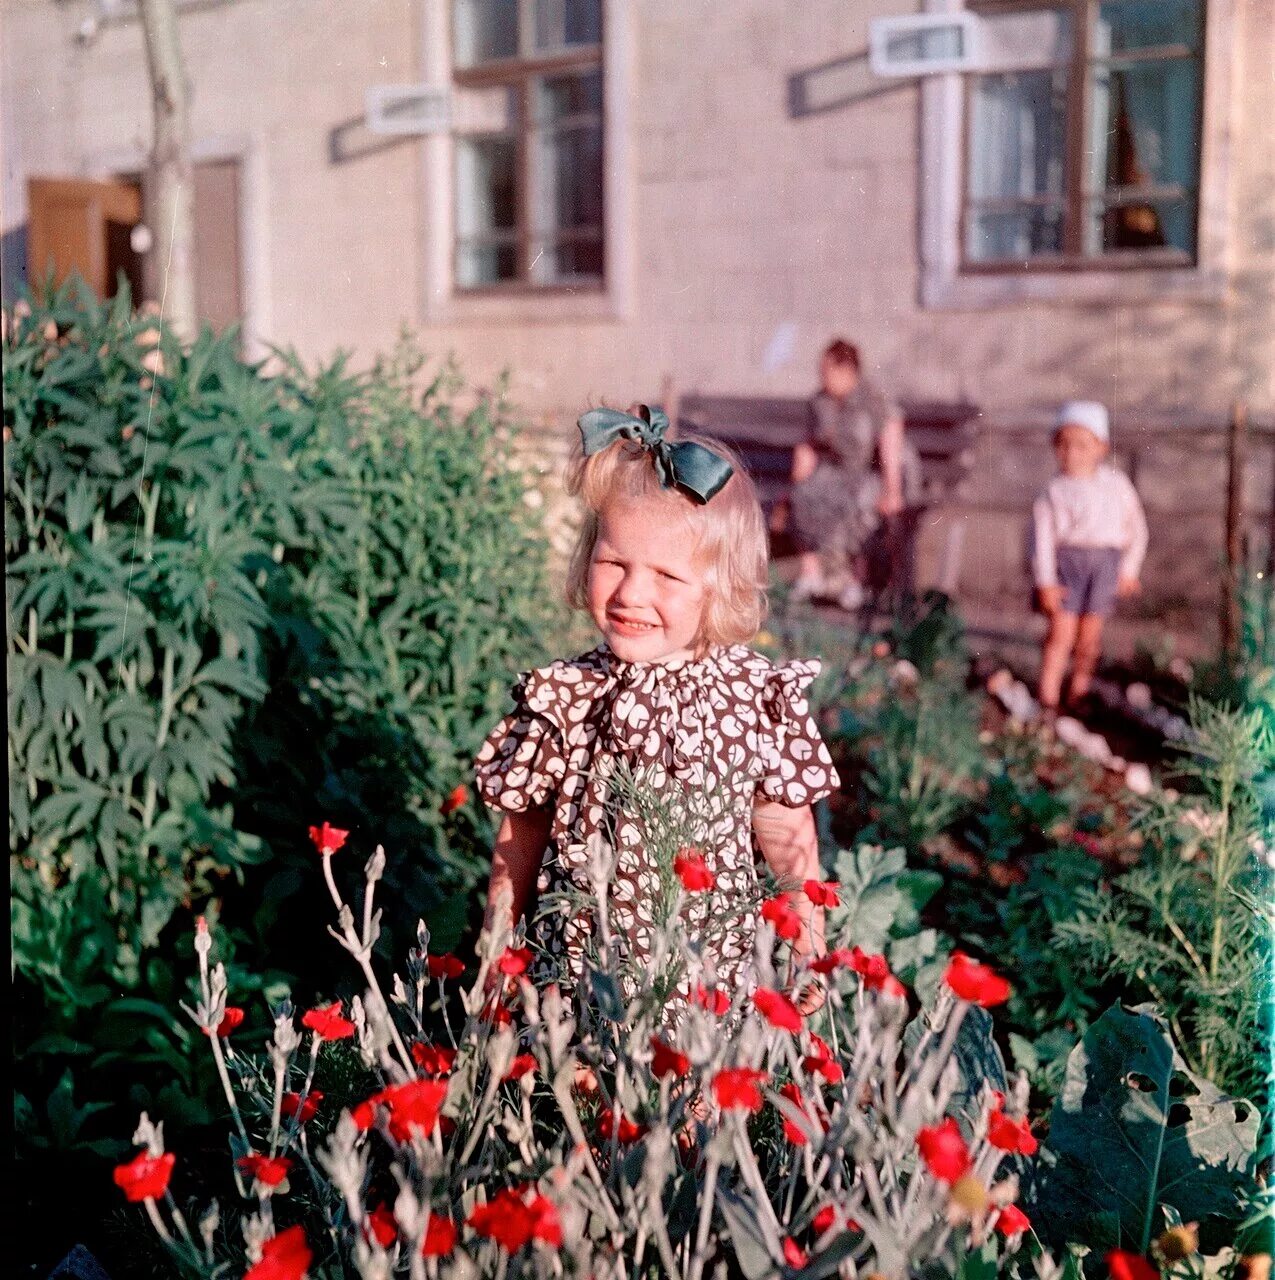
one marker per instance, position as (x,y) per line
(1123,1265)
(894,989)
(1011,1135)
(693,871)
(414,1107)
(440,1236)
(511,1220)
(381,1225)
(283,1257)
(327,838)
(456,798)
(497,1014)
(626,1131)
(445,966)
(974,982)
(667,1061)
(364,1113)
(232,1017)
(433,1059)
(514,961)
(305,1109)
(819,1061)
(145,1177)
(792,1130)
(794,1254)
(715,1001)
(944,1151)
(1012,1221)
(777,1009)
(270,1171)
(823,893)
(739,1087)
(521,1066)
(779,912)
(873,969)
(824,1220)
(837,958)
(328,1023)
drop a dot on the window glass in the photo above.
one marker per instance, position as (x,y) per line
(562,23)
(485,29)
(486,210)
(1126,26)
(1027,233)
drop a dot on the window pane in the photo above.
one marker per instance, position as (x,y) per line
(1159,224)
(562,23)
(993,235)
(1129,25)
(485,29)
(478,264)
(567,260)
(486,210)
(1026,40)
(559,99)
(1017,135)
(567,176)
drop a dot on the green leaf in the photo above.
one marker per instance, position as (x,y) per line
(1134,1129)
(743,1225)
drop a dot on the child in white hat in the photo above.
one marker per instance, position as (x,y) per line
(1089,538)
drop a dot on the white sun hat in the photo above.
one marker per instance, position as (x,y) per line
(1088,414)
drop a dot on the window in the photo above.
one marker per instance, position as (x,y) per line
(1083,134)
(529,164)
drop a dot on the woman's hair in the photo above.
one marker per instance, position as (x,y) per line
(730,530)
(841,352)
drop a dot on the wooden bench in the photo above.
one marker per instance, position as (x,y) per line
(765,430)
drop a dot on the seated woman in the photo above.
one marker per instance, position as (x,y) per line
(838,495)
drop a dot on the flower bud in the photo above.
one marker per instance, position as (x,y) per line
(1178,1242)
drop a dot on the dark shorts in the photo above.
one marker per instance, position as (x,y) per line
(1089,577)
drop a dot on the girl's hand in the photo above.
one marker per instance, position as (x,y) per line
(1050,599)
(1127,587)
(811,999)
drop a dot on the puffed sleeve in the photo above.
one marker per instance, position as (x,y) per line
(797,767)
(522,763)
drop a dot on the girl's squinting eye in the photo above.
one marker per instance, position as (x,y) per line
(672,577)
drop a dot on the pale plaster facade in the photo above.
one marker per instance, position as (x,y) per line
(764,191)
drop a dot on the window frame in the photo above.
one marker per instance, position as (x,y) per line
(1076,199)
(518,74)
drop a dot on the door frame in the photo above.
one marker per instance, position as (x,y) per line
(254,220)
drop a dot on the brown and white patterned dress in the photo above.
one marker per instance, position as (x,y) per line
(638,758)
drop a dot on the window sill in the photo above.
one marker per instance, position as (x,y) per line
(526,307)
(986,289)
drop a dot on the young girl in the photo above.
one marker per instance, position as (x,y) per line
(671,566)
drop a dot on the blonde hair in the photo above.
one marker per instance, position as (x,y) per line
(730,527)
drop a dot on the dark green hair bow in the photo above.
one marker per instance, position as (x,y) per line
(698,472)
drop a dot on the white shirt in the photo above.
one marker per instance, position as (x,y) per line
(1101,510)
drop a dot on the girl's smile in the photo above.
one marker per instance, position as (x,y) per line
(646,585)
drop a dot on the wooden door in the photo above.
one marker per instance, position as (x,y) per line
(83,225)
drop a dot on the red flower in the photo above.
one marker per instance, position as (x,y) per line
(327,838)
(739,1087)
(714,1001)
(667,1061)
(512,1221)
(445,966)
(777,1009)
(414,1107)
(794,1254)
(824,1220)
(974,982)
(283,1257)
(145,1177)
(381,1226)
(823,893)
(497,1014)
(894,989)
(1011,1135)
(545,1225)
(364,1113)
(626,1131)
(1011,1221)
(838,958)
(1122,1265)
(873,969)
(270,1171)
(944,1151)
(305,1109)
(456,798)
(514,961)
(779,912)
(433,1059)
(230,1019)
(520,1066)
(821,1062)
(693,871)
(440,1236)
(327,1022)
(792,1130)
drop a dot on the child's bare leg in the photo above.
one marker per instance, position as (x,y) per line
(1059,643)
(1088,651)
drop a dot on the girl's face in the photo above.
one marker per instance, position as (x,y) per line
(1078,450)
(646,584)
